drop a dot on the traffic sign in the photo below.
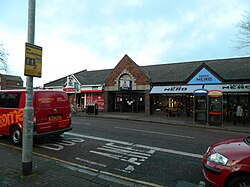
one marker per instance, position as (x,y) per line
(33,60)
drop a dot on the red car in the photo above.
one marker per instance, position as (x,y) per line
(227,163)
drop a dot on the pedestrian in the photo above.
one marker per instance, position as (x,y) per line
(239,113)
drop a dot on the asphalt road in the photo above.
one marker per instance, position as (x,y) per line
(143,153)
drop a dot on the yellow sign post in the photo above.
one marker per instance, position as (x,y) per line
(33,60)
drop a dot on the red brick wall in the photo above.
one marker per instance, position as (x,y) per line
(127,63)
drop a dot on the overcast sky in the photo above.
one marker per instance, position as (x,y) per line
(96,34)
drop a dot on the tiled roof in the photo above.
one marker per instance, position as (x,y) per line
(84,77)
(93,77)
(13,78)
(231,69)
(228,69)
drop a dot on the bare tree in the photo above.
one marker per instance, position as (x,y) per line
(3,59)
(243,36)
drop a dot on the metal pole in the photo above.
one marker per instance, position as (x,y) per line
(29,110)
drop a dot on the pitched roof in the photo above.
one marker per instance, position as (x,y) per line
(84,77)
(231,69)
(228,69)
(13,78)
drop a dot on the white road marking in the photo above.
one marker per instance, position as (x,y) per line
(137,145)
(76,140)
(128,169)
(51,146)
(81,123)
(65,142)
(122,152)
(98,138)
(58,144)
(169,151)
(114,156)
(202,184)
(144,152)
(152,132)
(91,162)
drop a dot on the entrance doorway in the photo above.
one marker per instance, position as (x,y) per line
(129,102)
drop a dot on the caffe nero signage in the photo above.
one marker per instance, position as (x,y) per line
(204,77)
(175,89)
(229,87)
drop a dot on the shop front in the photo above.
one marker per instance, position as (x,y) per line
(173,100)
(181,99)
(129,102)
(127,88)
(233,95)
(160,89)
(92,95)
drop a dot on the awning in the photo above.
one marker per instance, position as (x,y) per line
(177,89)
(229,87)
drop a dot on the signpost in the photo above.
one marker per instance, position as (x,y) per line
(33,65)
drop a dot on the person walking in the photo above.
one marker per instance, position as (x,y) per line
(239,114)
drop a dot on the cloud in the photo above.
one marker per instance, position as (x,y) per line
(77,35)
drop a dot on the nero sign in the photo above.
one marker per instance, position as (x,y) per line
(204,77)
(236,87)
(229,87)
(175,88)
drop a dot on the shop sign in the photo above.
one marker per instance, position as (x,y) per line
(69,90)
(229,87)
(125,85)
(95,99)
(204,77)
(174,89)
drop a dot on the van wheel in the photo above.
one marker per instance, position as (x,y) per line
(16,135)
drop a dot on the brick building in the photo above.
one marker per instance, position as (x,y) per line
(148,89)
(10,82)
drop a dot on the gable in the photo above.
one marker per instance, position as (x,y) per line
(129,67)
(204,75)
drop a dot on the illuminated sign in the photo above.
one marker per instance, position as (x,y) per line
(175,89)
(229,87)
(204,77)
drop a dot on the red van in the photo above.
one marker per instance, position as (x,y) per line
(51,113)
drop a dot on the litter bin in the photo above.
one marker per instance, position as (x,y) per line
(96,109)
(90,109)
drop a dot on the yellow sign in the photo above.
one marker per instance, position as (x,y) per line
(33,60)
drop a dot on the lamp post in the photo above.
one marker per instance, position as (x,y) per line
(27,145)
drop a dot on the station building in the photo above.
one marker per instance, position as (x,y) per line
(149,89)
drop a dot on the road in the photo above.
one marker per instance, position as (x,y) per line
(143,153)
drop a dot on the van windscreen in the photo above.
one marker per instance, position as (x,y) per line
(10,100)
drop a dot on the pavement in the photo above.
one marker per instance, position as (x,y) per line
(48,171)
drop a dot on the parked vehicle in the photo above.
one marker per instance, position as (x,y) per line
(227,163)
(52,114)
